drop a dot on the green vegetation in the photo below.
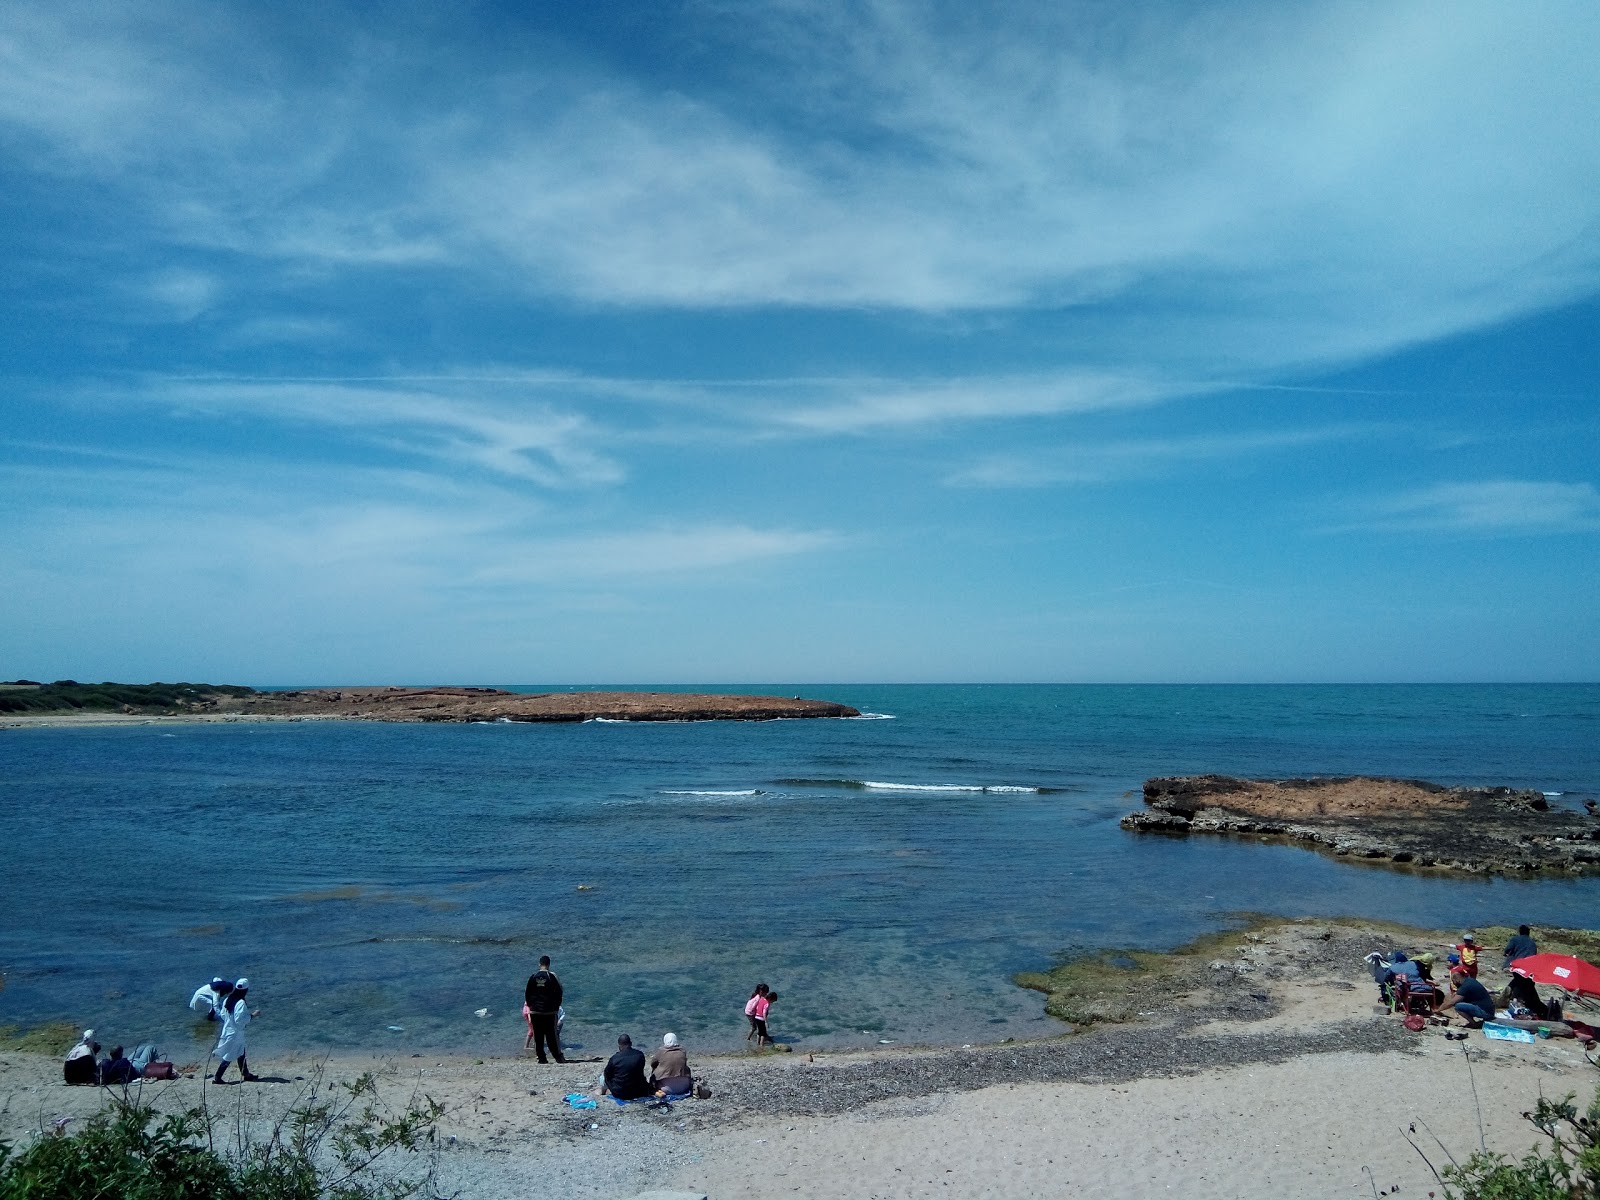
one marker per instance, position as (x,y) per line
(329,1150)
(54,1038)
(1112,986)
(68,695)
(1568,1168)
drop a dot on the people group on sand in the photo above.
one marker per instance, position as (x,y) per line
(116,1069)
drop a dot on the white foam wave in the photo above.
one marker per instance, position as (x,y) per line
(742,792)
(871,717)
(946,787)
(1555,793)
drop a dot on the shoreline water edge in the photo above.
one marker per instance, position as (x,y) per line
(1262,1067)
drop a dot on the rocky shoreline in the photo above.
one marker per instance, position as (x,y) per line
(1392,822)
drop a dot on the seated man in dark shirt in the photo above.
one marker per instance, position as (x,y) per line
(117,1069)
(1469,998)
(625,1073)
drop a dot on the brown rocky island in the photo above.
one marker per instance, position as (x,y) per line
(66,701)
(491,704)
(1394,822)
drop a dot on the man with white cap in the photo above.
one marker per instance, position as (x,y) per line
(669,1068)
(235,1014)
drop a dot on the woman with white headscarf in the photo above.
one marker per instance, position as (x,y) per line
(235,1014)
(80,1066)
(669,1069)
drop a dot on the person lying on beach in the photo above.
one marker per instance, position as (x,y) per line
(116,1069)
(1469,998)
(624,1075)
(669,1068)
(80,1065)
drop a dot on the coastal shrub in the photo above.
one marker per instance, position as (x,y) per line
(1567,1167)
(332,1149)
(67,695)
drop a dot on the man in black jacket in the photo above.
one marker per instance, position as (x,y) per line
(625,1073)
(544,1004)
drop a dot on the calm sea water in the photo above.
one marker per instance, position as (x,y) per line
(367,876)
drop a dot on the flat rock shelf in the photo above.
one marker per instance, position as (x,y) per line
(1402,823)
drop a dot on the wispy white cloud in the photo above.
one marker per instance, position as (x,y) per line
(1102,462)
(1488,507)
(1310,184)
(529,441)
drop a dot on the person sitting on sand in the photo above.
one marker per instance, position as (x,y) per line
(624,1075)
(669,1069)
(1469,998)
(1521,994)
(1521,945)
(80,1065)
(117,1069)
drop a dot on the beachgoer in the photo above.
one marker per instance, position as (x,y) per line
(80,1065)
(542,1000)
(668,1068)
(1425,962)
(208,997)
(116,1069)
(755,1010)
(1467,948)
(1469,998)
(1521,945)
(624,1074)
(235,1015)
(1520,993)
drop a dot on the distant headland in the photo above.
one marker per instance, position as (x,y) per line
(67,701)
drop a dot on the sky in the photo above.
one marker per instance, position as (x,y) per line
(854,341)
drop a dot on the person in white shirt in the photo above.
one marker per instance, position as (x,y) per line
(235,1014)
(208,997)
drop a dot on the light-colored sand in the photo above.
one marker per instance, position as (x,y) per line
(1303,1127)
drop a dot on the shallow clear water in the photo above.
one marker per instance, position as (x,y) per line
(372,875)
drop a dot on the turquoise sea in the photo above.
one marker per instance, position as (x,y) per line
(887,876)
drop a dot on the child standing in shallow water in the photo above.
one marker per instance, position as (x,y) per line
(755,1010)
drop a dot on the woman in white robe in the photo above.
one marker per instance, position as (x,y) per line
(235,1015)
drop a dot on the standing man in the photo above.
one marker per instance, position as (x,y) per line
(543,999)
(1521,945)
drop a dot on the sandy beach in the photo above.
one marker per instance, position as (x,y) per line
(1301,1093)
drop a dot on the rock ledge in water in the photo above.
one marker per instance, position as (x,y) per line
(1404,822)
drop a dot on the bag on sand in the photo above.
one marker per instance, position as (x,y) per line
(1415,1022)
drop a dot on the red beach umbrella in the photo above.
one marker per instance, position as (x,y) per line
(1562,971)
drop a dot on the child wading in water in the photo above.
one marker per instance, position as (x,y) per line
(756,1010)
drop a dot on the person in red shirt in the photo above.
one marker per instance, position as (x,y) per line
(1468,950)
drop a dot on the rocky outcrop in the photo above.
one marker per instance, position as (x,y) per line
(1396,822)
(491,704)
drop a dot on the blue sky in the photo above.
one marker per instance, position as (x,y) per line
(799,342)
